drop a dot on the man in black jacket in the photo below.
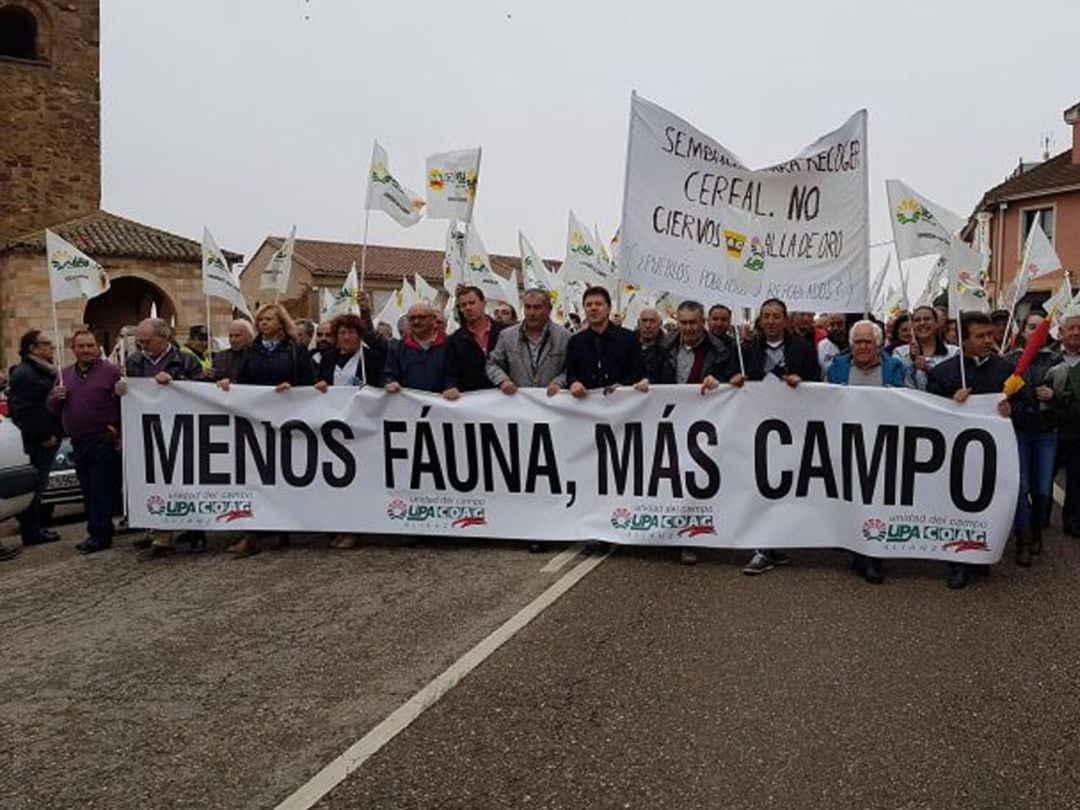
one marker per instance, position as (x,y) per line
(774,351)
(468,348)
(653,342)
(985,372)
(603,355)
(28,388)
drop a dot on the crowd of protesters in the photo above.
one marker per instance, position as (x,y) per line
(917,350)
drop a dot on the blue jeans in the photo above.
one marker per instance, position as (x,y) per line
(97,465)
(1037,451)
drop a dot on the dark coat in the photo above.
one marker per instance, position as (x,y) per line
(226,364)
(466,362)
(599,360)
(373,363)
(989,378)
(28,387)
(800,357)
(713,356)
(178,365)
(285,363)
(654,360)
(412,366)
(1028,413)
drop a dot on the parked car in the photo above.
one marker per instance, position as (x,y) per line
(17,476)
(63,487)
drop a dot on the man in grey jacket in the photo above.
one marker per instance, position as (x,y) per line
(531,354)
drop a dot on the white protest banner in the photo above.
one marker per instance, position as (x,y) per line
(218,280)
(888,472)
(386,194)
(72,274)
(451,184)
(814,209)
(275,276)
(920,226)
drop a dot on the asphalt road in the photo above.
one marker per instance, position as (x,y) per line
(207,682)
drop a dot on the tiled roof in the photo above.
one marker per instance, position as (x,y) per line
(102,234)
(383,262)
(1052,175)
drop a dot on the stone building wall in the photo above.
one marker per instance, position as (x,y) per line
(50,128)
(25,301)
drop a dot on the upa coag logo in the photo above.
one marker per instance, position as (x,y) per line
(200,509)
(397,509)
(656,522)
(437,515)
(874,529)
(621,518)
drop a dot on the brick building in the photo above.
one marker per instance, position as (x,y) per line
(1049,190)
(50,177)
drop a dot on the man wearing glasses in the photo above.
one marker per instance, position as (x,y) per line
(29,386)
(419,360)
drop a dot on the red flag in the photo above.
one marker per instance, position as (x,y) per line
(1034,343)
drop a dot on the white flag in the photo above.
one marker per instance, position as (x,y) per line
(72,274)
(878,283)
(933,284)
(385,193)
(965,268)
(478,269)
(920,226)
(510,291)
(455,268)
(397,305)
(275,276)
(585,260)
(451,184)
(1040,259)
(537,274)
(346,301)
(218,280)
(1057,305)
(896,302)
(326,304)
(424,290)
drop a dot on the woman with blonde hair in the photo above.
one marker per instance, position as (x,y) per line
(277,359)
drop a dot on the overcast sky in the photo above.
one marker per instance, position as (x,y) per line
(251,115)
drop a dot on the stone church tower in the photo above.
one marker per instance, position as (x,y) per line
(50,129)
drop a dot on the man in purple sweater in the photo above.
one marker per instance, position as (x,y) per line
(87,400)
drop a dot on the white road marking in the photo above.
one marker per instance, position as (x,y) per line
(1059,495)
(367,746)
(562,559)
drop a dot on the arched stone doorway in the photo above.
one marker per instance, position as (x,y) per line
(128,301)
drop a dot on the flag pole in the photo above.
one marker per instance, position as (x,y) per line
(209,335)
(960,337)
(56,334)
(363,281)
(1016,290)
